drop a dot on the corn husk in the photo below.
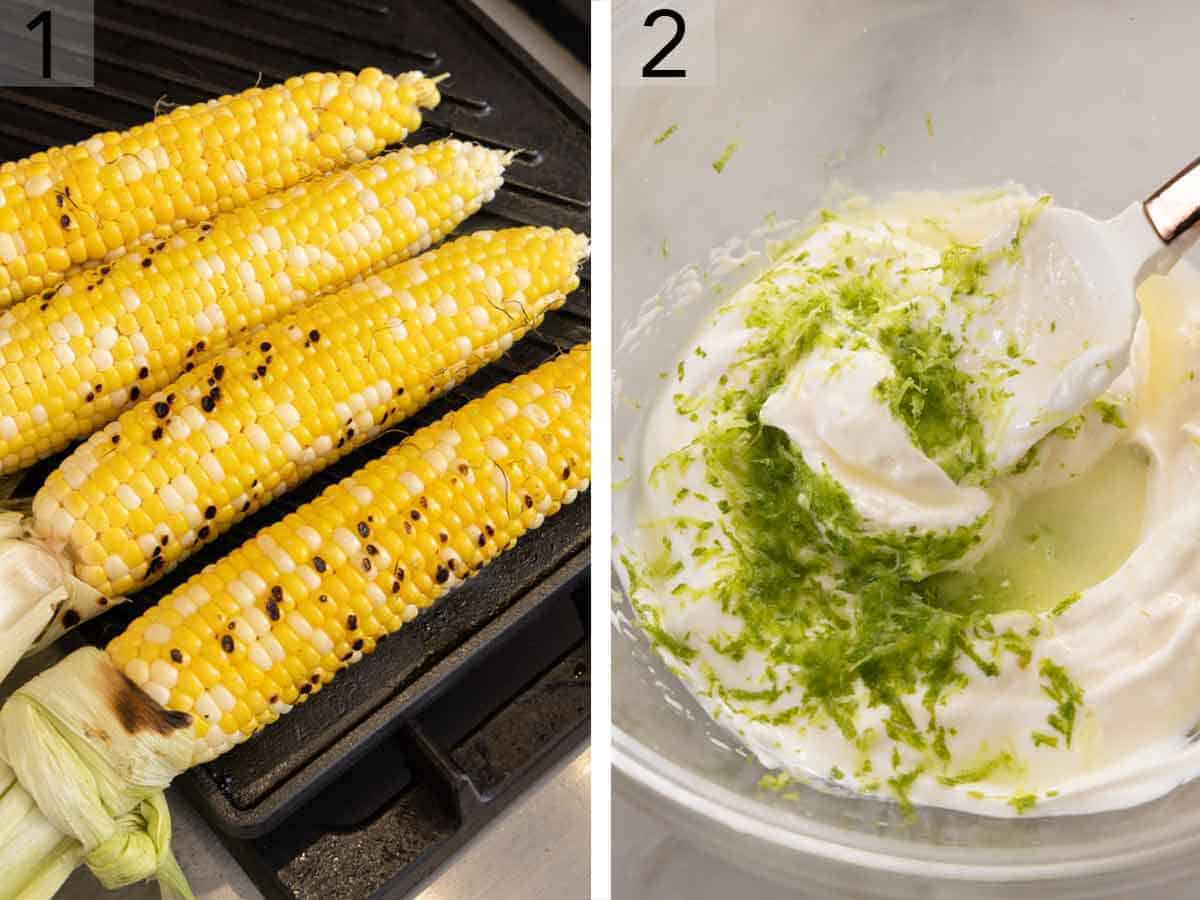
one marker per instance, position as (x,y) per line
(35,857)
(35,587)
(86,756)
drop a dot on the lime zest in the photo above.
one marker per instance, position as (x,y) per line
(1063,605)
(1110,413)
(1022,803)
(1001,762)
(1041,739)
(841,614)
(1066,694)
(722,161)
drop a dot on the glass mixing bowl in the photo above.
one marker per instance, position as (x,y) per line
(1093,102)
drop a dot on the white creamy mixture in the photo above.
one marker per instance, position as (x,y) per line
(849,557)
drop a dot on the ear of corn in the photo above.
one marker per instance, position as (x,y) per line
(85,755)
(183,466)
(71,364)
(88,201)
(263,629)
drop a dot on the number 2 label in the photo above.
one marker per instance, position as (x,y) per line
(651,68)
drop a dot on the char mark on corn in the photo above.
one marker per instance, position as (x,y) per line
(242,642)
(71,367)
(85,204)
(277,407)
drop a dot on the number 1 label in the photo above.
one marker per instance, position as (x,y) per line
(43,20)
(48,44)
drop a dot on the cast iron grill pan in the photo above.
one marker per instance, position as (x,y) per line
(484,692)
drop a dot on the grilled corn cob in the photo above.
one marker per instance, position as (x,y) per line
(253,421)
(241,643)
(88,201)
(71,364)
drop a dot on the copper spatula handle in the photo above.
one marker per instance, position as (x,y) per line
(1175,207)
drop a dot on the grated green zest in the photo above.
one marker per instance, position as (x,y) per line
(963,269)
(1063,605)
(901,783)
(649,617)
(775,781)
(1110,413)
(1041,739)
(843,613)
(1022,803)
(722,161)
(791,530)
(1025,221)
(934,399)
(1067,697)
(940,406)
(1001,762)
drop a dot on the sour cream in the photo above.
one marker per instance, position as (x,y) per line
(799,456)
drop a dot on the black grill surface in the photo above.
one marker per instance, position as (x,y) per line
(371,785)
(568,20)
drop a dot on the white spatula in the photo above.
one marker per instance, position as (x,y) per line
(1070,304)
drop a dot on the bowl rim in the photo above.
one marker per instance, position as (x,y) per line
(685,791)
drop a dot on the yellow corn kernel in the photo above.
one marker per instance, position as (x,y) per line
(287,658)
(294,398)
(188,165)
(192,292)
